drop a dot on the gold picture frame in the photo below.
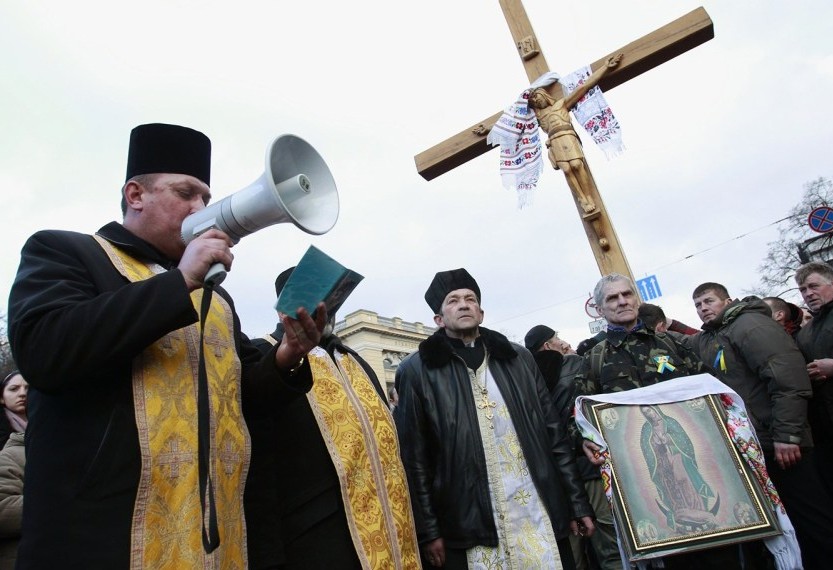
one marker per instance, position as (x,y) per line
(678,481)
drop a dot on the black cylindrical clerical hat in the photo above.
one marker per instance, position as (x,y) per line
(445,282)
(157,148)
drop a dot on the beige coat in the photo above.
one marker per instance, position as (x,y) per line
(12,461)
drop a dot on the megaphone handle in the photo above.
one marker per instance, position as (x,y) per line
(216,274)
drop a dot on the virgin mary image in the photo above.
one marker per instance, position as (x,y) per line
(684,497)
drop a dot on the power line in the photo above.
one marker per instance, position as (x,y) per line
(743,235)
(565,301)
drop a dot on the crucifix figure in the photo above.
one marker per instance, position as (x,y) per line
(552,109)
(565,152)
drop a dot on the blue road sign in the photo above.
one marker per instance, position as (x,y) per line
(821,219)
(649,288)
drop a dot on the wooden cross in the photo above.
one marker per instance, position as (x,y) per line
(639,56)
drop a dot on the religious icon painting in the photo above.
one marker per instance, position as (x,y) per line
(678,482)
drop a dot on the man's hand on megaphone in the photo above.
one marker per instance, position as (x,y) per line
(204,251)
(299,337)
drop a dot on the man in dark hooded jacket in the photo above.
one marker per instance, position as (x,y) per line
(815,340)
(559,366)
(752,354)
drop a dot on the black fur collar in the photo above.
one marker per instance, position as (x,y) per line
(436,350)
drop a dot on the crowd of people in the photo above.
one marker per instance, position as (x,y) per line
(765,350)
(158,435)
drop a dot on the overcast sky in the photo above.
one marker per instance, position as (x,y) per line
(720,140)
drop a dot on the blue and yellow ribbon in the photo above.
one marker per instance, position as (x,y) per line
(719,361)
(663,364)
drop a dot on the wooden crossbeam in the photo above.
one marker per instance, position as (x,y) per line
(641,55)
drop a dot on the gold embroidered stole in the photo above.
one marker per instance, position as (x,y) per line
(358,429)
(166,528)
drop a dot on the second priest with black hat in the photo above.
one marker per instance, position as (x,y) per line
(490,469)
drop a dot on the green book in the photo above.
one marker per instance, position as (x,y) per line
(317,277)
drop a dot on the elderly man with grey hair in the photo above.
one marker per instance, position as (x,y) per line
(629,357)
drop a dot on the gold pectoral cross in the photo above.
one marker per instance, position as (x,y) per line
(487,405)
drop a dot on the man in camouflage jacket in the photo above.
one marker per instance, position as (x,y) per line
(632,355)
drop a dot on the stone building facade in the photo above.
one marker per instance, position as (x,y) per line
(383,342)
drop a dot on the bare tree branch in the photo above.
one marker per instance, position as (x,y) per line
(782,259)
(6,361)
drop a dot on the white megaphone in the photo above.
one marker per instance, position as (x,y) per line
(296,187)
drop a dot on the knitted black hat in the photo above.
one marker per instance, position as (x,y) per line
(157,148)
(447,281)
(537,336)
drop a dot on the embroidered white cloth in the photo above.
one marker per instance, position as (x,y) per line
(517,133)
(594,114)
(784,548)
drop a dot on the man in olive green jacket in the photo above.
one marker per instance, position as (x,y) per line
(752,354)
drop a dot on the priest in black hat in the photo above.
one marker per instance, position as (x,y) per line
(127,466)
(491,472)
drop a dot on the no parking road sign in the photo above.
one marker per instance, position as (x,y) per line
(821,219)
(591,309)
